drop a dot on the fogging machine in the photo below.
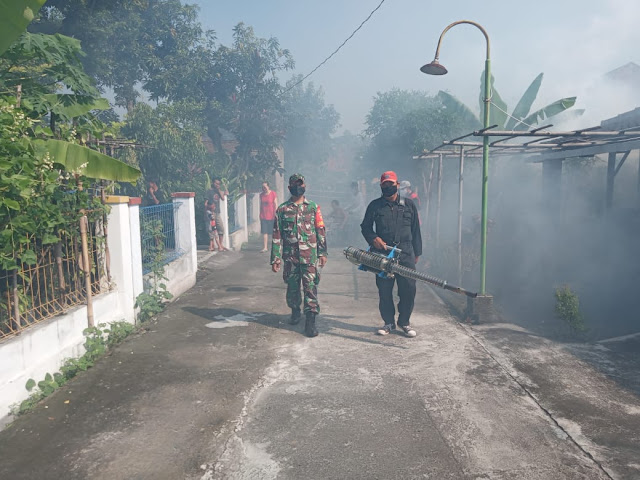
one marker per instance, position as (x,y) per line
(387,266)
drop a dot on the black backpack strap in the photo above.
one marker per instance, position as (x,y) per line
(399,215)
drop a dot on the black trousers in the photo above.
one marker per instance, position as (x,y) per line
(406,292)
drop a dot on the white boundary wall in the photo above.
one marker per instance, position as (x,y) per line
(254,206)
(241,235)
(181,273)
(41,349)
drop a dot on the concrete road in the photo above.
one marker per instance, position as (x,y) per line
(220,386)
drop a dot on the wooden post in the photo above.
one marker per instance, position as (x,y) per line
(428,193)
(460,191)
(62,283)
(424,184)
(16,300)
(86,267)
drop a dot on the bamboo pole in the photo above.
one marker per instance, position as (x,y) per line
(62,284)
(426,220)
(16,299)
(86,267)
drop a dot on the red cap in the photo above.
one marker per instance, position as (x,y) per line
(389,176)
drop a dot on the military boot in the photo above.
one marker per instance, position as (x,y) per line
(310,329)
(296,316)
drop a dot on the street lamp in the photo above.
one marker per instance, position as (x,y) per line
(435,68)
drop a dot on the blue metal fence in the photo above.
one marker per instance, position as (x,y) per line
(159,231)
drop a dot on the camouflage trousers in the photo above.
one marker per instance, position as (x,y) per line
(309,276)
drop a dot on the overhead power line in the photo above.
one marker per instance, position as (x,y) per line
(336,50)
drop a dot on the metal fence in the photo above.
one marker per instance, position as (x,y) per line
(54,283)
(159,231)
(232,215)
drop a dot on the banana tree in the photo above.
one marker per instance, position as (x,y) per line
(27,58)
(87,162)
(16,16)
(520,118)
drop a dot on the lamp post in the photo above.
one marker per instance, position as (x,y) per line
(435,68)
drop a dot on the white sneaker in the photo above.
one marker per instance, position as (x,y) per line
(409,331)
(386,330)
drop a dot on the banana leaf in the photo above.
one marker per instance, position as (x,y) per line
(69,106)
(547,112)
(496,116)
(16,16)
(456,107)
(524,104)
(88,162)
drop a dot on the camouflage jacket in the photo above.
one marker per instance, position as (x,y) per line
(298,233)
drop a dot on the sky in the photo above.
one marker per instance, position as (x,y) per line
(573,42)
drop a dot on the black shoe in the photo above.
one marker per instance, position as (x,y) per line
(387,329)
(296,316)
(310,329)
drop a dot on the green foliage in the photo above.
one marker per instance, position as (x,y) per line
(27,183)
(117,332)
(402,123)
(126,42)
(309,124)
(520,118)
(567,309)
(38,203)
(42,64)
(498,105)
(16,16)
(176,156)
(98,340)
(150,305)
(88,162)
(152,301)
(523,107)
(231,93)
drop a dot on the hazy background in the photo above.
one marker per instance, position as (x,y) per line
(573,42)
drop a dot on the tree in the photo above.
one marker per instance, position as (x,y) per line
(174,153)
(39,66)
(128,43)
(309,124)
(240,93)
(402,123)
(36,67)
(520,118)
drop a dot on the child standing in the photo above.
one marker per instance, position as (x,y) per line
(212,229)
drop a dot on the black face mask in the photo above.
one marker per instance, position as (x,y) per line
(389,191)
(297,190)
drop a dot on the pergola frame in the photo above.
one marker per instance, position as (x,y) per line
(540,146)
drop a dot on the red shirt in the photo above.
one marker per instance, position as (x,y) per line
(267,205)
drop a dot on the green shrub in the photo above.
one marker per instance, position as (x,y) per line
(98,340)
(568,308)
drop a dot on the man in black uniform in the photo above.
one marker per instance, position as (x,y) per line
(396,224)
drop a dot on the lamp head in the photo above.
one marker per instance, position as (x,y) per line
(433,68)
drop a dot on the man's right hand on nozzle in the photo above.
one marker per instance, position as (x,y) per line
(379,244)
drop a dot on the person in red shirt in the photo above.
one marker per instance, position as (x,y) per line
(408,192)
(268,206)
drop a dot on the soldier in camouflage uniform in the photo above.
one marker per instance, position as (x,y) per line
(299,240)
